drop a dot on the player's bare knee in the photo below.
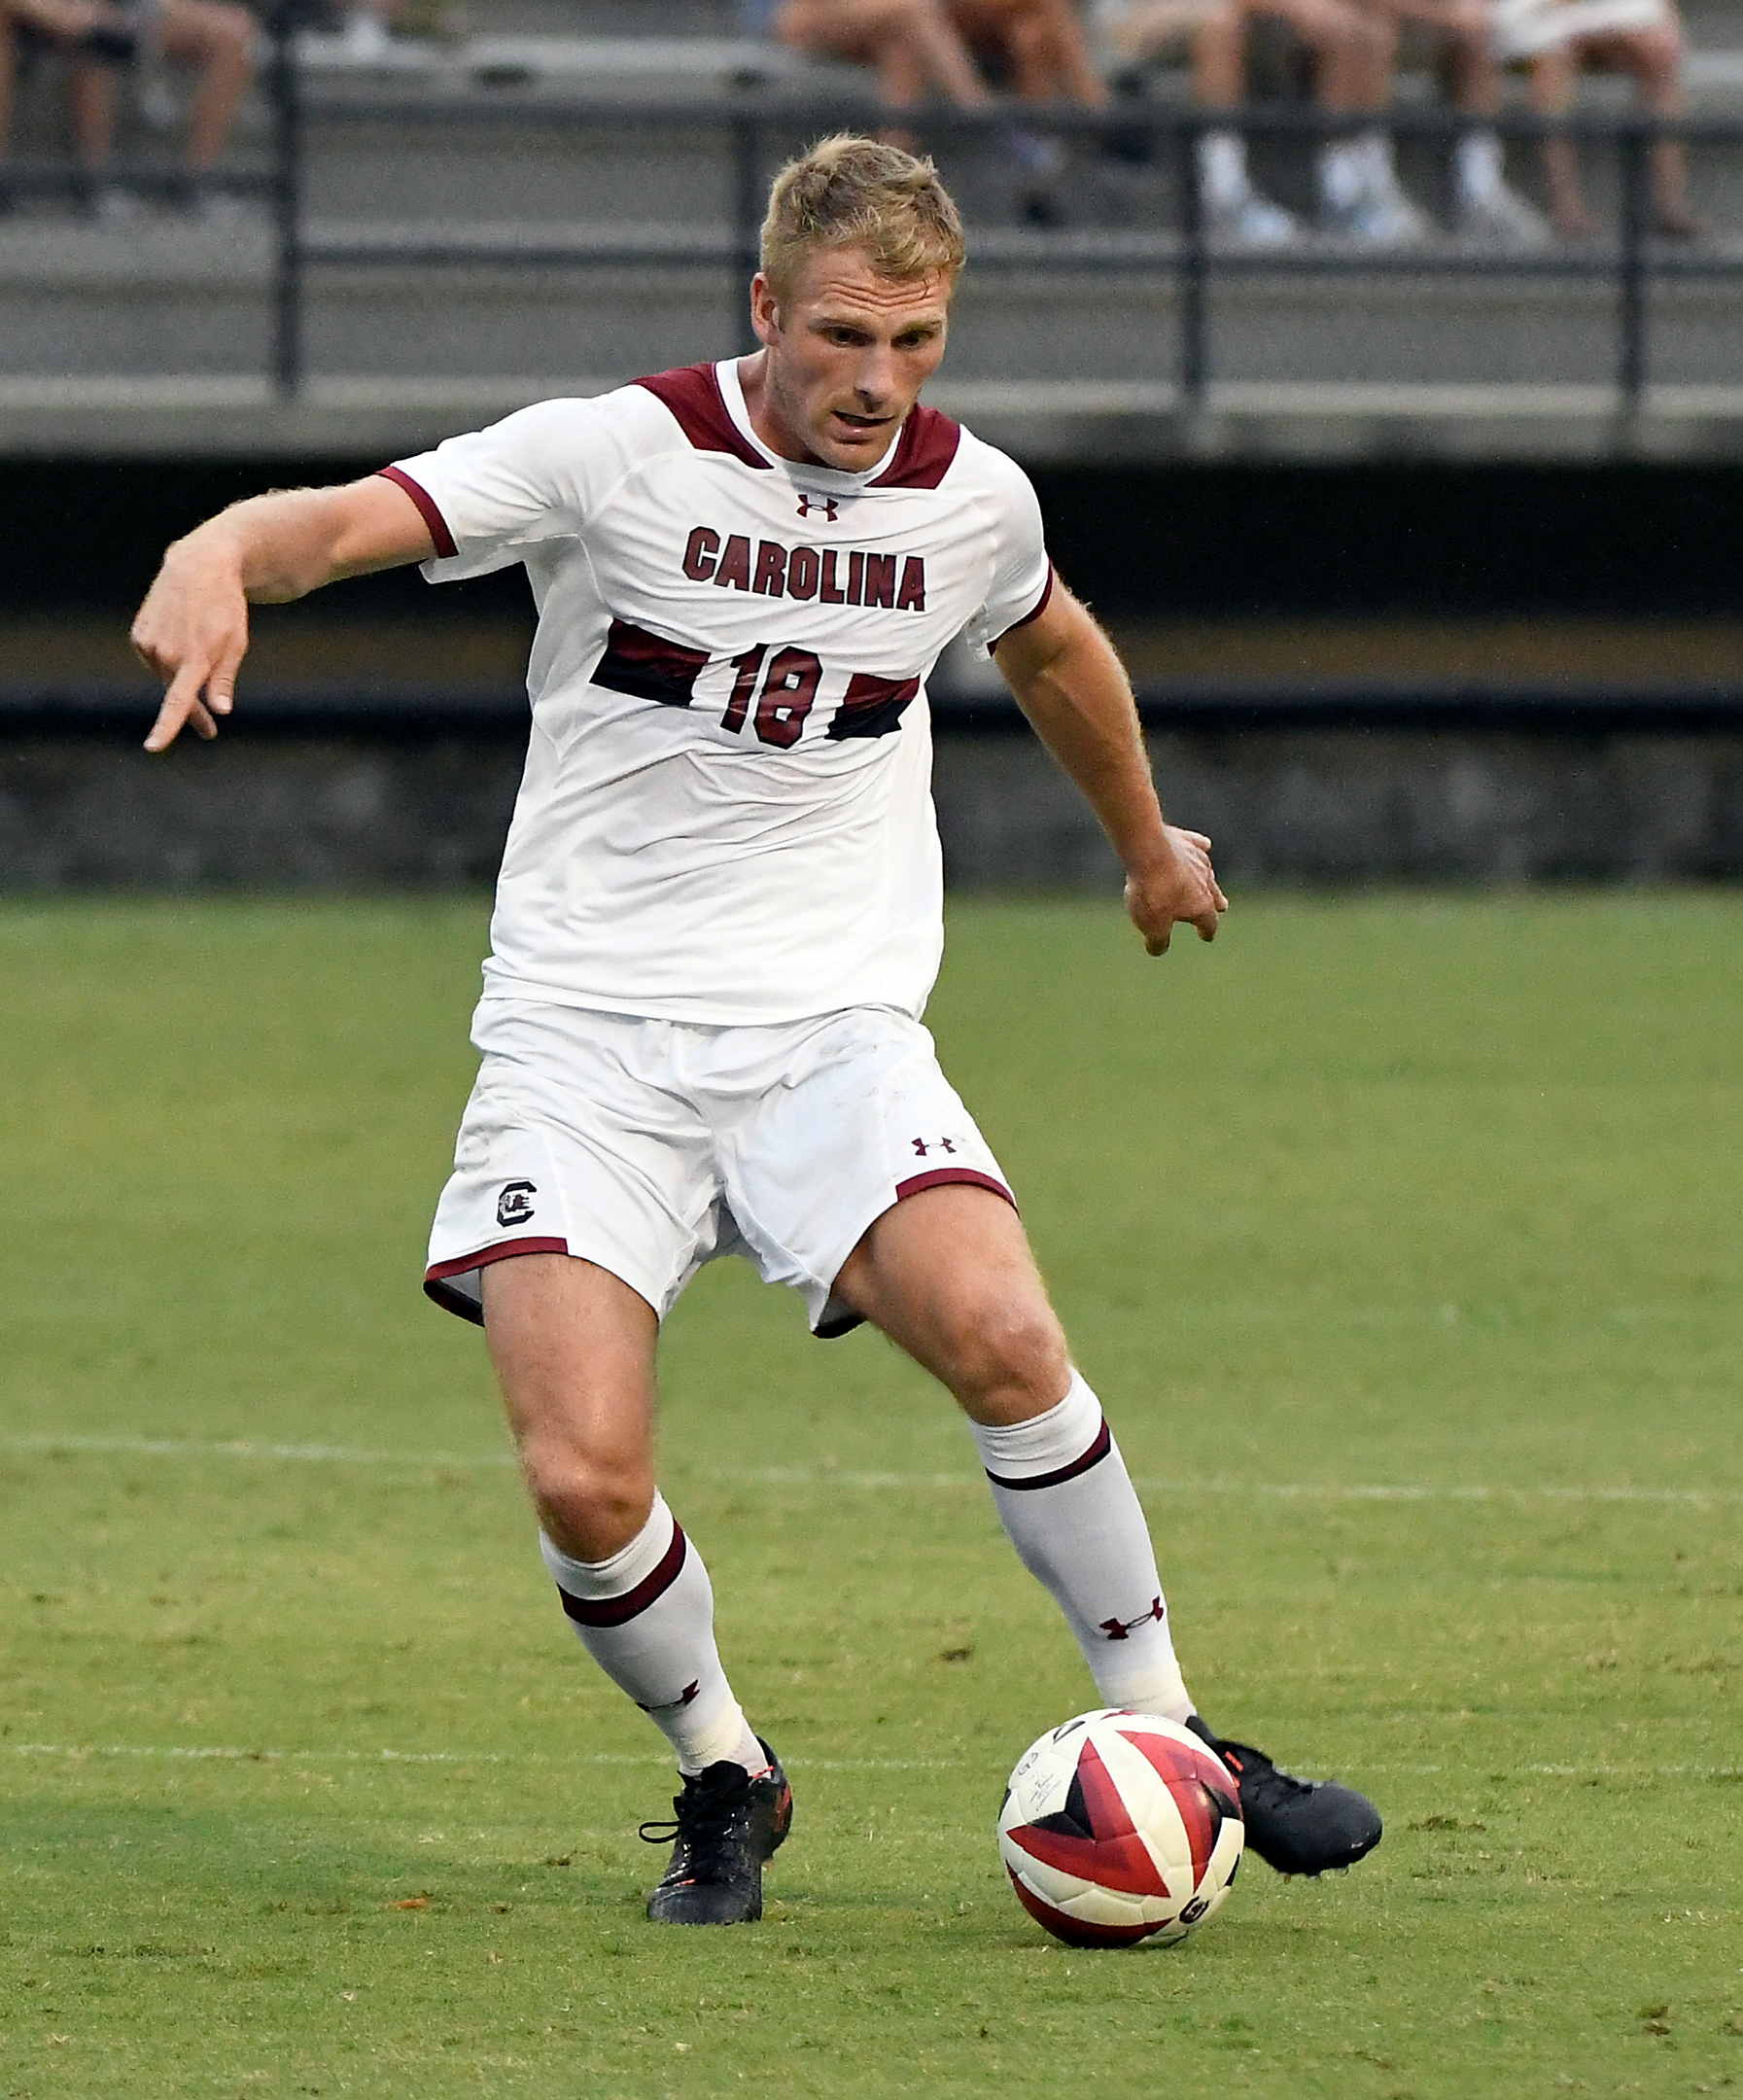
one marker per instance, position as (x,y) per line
(588,1506)
(1010,1360)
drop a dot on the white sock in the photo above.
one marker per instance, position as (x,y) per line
(1375,149)
(1477,165)
(1344,172)
(1066,1498)
(1222,169)
(646,1616)
(365,33)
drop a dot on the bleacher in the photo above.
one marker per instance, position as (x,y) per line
(553,203)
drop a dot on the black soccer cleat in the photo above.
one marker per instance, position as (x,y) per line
(1298,1826)
(726,1825)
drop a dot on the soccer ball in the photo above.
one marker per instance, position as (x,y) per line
(1119,1826)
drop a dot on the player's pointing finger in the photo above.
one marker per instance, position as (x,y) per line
(181,703)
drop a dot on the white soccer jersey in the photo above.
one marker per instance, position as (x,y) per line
(726,815)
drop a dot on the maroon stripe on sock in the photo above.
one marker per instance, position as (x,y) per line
(619,1610)
(1098,1450)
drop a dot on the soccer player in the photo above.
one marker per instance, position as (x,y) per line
(717,923)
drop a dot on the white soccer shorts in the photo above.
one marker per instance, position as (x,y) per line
(649,1147)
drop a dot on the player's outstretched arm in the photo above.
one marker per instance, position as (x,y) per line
(1074,690)
(192,627)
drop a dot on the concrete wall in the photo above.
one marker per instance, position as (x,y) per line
(1332,805)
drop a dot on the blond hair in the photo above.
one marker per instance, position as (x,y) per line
(856,192)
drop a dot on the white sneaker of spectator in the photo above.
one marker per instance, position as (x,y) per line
(217,211)
(1035,154)
(114,209)
(1487,208)
(364,36)
(1361,199)
(158,105)
(1234,212)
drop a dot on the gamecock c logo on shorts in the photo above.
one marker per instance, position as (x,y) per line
(514,1205)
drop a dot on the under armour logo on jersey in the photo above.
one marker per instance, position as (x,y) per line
(825,504)
(514,1205)
(1124,1628)
(938,1144)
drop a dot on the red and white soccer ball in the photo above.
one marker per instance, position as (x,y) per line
(1119,1826)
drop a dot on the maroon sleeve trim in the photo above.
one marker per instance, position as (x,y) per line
(940,1175)
(1035,611)
(621,1610)
(428,509)
(1098,1450)
(437,1289)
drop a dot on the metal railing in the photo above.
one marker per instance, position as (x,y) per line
(757,131)
(102,709)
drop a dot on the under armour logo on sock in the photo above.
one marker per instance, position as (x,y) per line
(1124,1628)
(689,1692)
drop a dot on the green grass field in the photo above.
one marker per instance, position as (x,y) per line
(1401,1238)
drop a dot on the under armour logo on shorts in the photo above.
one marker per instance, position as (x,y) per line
(514,1205)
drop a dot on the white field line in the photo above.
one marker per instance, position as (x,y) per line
(1279,1490)
(300,1453)
(831,1477)
(231,1754)
(228,1754)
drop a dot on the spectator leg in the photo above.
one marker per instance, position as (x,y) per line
(214,38)
(1236,207)
(932,53)
(8,69)
(1219,60)
(1655,57)
(1078,76)
(912,43)
(1352,51)
(93,96)
(1044,42)
(1551,85)
(1049,57)
(1476,76)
